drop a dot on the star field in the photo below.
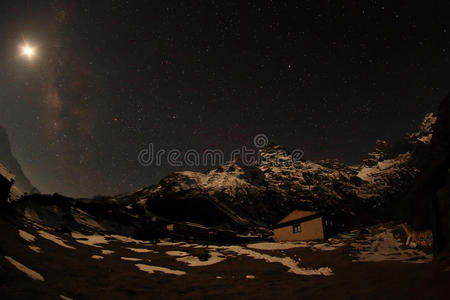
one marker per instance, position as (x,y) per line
(109,77)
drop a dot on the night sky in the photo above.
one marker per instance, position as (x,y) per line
(109,77)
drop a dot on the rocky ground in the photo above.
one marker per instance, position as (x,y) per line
(39,262)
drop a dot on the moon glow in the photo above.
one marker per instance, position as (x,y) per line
(28,51)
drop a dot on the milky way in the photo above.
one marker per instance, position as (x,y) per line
(109,77)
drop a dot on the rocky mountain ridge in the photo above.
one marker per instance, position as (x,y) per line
(262,193)
(238,196)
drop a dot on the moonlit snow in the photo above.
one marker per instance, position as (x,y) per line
(57,240)
(94,240)
(26,236)
(141,250)
(127,239)
(286,261)
(169,243)
(31,273)
(152,269)
(34,248)
(177,253)
(130,258)
(278,245)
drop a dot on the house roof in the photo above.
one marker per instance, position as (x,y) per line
(298,216)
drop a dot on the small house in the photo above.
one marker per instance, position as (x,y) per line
(300,225)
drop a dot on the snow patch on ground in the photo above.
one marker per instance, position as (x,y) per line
(177,253)
(194,261)
(130,258)
(278,246)
(107,252)
(96,240)
(65,297)
(188,245)
(152,269)
(91,240)
(326,246)
(216,247)
(250,276)
(53,238)
(97,257)
(31,273)
(34,248)
(141,250)
(27,236)
(286,261)
(169,243)
(127,239)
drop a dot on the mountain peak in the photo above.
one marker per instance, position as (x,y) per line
(425,132)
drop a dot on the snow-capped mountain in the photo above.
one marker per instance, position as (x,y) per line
(240,196)
(264,192)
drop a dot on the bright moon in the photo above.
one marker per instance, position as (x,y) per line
(28,51)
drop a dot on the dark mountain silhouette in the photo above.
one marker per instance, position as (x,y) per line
(8,160)
(423,209)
